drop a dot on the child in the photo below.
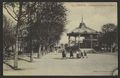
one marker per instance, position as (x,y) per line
(82,55)
(77,54)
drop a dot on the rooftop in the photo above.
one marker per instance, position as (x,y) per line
(83,29)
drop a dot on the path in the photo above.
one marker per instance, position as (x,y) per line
(52,64)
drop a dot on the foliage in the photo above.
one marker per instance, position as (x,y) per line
(50,22)
(8,35)
(8,38)
(109,37)
(108,27)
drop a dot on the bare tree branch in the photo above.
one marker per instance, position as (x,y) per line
(10,13)
(14,12)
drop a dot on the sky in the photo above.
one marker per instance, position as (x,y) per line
(95,15)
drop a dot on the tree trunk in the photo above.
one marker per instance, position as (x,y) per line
(39,52)
(31,50)
(17,32)
(111,48)
(48,49)
(31,56)
(45,50)
(104,47)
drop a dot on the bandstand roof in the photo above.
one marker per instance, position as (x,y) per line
(83,29)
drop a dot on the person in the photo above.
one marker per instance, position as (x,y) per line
(56,49)
(63,54)
(82,55)
(85,54)
(77,54)
(71,54)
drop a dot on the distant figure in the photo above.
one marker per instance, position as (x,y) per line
(85,54)
(77,54)
(82,56)
(63,54)
(71,54)
(56,50)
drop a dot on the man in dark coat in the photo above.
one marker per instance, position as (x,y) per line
(63,54)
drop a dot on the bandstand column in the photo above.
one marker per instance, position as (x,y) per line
(75,40)
(97,39)
(91,39)
(68,40)
(79,40)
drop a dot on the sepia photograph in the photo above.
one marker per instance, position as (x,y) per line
(60,39)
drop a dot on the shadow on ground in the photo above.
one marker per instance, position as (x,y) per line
(11,66)
(65,58)
(24,59)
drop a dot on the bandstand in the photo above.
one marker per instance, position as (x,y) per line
(89,36)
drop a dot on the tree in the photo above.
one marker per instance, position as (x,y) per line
(53,21)
(45,23)
(49,24)
(108,27)
(109,37)
(18,18)
(8,37)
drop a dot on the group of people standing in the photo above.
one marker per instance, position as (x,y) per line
(79,54)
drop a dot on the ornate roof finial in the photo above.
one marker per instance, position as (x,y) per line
(82,24)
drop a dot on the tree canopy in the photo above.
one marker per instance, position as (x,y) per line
(50,22)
